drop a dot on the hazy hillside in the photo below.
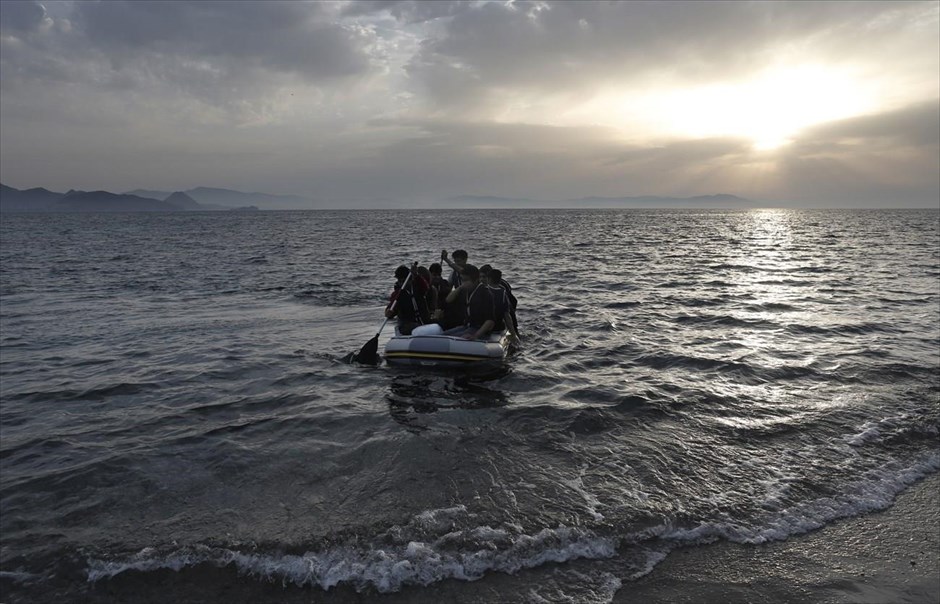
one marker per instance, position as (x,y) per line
(184,201)
(150,194)
(30,200)
(43,200)
(104,201)
(234,199)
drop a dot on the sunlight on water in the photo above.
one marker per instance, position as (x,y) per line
(685,376)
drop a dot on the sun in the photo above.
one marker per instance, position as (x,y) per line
(769,109)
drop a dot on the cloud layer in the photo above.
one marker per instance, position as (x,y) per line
(405,101)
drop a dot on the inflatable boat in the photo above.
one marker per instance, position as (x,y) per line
(428,347)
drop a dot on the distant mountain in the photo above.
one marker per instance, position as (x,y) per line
(720,201)
(183,201)
(210,198)
(42,200)
(265,201)
(103,201)
(30,200)
(150,194)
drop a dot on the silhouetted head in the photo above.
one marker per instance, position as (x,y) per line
(494,276)
(401,272)
(424,272)
(435,269)
(470,273)
(460,257)
(486,268)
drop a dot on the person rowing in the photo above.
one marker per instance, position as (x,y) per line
(408,301)
(502,302)
(474,297)
(494,278)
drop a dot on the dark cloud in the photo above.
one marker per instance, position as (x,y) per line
(21,17)
(877,160)
(917,125)
(282,36)
(219,52)
(186,62)
(409,12)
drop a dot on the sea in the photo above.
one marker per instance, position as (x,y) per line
(179,422)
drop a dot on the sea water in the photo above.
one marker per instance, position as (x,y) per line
(176,418)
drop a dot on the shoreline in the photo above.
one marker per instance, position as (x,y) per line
(888,556)
(892,555)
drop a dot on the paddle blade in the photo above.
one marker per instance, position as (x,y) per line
(369,353)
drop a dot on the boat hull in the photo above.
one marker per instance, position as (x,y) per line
(446,351)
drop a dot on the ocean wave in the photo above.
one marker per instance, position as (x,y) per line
(770,307)
(19,576)
(751,373)
(896,428)
(428,549)
(95,393)
(726,321)
(875,491)
(386,567)
(590,587)
(623,304)
(844,329)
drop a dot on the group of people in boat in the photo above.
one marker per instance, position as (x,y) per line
(472,303)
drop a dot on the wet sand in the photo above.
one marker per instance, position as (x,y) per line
(884,557)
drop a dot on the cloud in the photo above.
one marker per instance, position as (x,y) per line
(916,125)
(21,17)
(222,53)
(435,159)
(879,159)
(158,65)
(408,12)
(424,100)
(288,37)
(496,52)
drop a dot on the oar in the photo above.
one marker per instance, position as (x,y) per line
(369,353)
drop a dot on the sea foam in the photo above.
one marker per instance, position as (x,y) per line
(386,568)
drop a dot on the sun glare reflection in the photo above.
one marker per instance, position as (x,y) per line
(764,258)
(769,251)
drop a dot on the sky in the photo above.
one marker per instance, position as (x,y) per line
(825,104)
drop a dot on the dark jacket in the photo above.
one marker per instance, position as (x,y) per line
(500,306)
(411,307)
(479,306)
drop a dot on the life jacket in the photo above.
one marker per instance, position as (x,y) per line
(511,298)
(443,288)
(483,307)
(500,305)
(411,307)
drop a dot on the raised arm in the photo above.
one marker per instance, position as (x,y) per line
(452,265)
